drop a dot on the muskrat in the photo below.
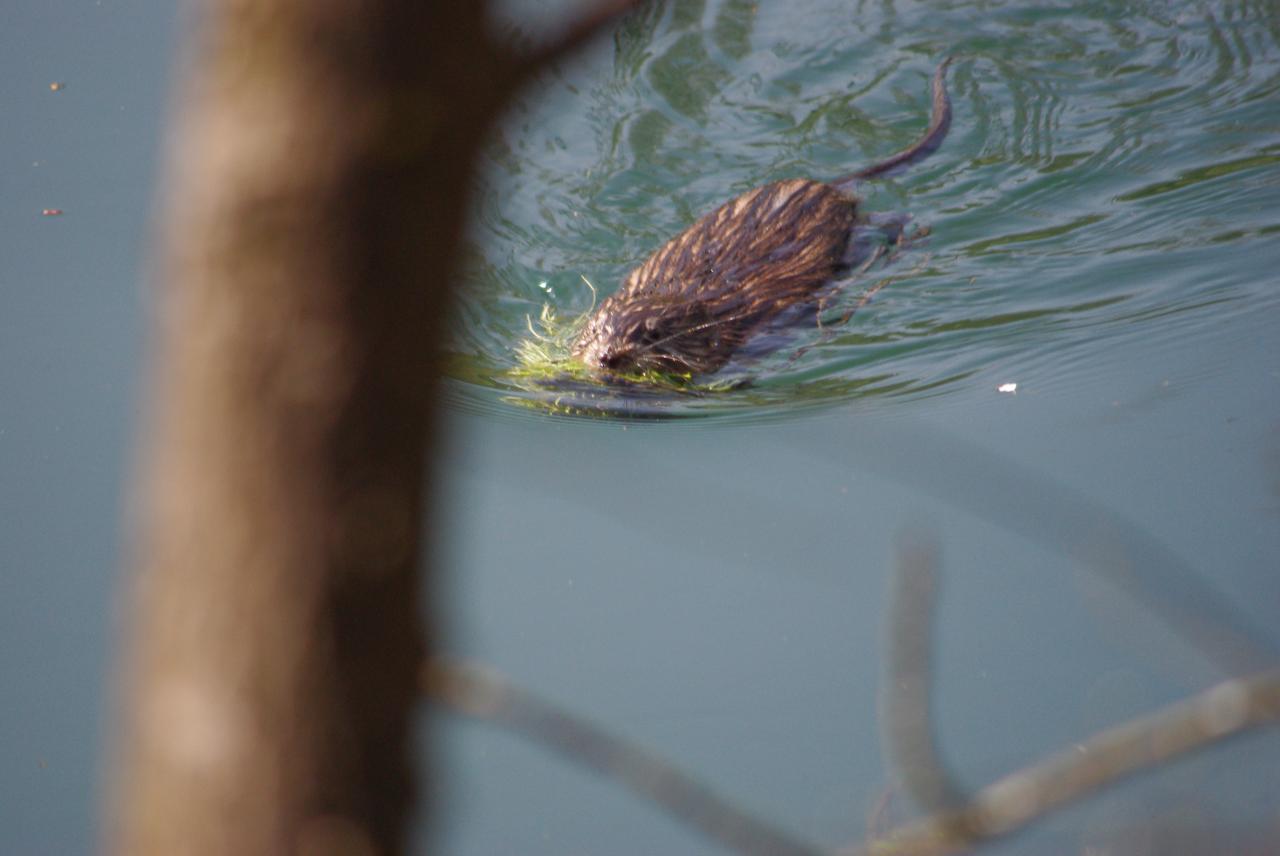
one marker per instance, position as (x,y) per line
(704,293)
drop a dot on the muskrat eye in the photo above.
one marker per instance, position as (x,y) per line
(653,330)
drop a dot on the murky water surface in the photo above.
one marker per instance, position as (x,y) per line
(1110,180)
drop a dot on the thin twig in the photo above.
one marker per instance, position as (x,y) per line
(481,693)
(907,701)
(1008,805)
(1012,803)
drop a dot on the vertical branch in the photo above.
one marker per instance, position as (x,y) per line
(907,695)
(276,617)
(314,209)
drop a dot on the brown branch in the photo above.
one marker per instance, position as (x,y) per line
(276,619)
(312,222)
(487,696)
(956,823)
(1010,804)
(1004,807)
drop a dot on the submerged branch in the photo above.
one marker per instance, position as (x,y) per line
(1006,806)
(1014,802)
(486,695)
(957,823)
(906,691)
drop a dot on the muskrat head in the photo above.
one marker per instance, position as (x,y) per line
(668,337)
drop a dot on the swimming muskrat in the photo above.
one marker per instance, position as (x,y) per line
(696,300)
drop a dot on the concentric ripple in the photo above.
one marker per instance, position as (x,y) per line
(1107,176)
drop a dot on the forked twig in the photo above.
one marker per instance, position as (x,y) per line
(957,823)
(1003,807)
(1012,803)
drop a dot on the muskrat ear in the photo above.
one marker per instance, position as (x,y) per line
(651,323)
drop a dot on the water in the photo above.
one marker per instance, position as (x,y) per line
(1068,208)
(1102,219)
(710,581)
(71,327)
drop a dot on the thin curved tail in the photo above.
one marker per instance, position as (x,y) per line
(939,123)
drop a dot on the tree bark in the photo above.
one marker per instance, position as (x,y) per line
(314,204)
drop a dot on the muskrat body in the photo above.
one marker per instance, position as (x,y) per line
(693,303)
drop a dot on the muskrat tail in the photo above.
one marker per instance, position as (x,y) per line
(939,123)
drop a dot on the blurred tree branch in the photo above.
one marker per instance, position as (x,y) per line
(483,693)
(906,691)
(955,822)
(311,222)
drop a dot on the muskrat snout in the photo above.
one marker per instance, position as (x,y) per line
(597,354)
(678,338)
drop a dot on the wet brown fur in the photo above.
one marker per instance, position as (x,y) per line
(695,301)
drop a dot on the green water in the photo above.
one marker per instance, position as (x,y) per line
(1101,166)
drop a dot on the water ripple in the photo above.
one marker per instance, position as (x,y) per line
(1113,173)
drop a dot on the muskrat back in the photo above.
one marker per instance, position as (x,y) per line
(690,306)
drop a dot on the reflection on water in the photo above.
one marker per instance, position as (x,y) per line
(1099,166)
